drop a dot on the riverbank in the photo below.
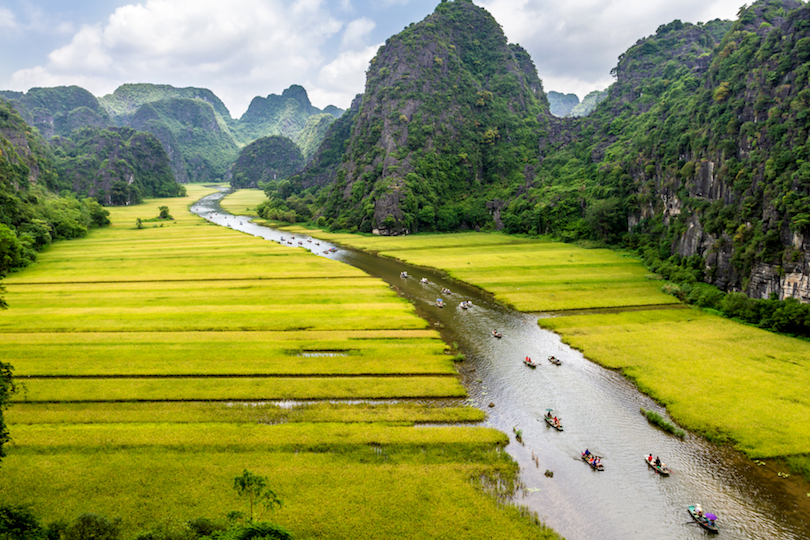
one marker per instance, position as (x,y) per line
(148,357)
(730,382)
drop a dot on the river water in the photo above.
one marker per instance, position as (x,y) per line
(599,409)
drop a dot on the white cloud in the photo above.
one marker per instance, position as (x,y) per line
(577,42)
(343,78)
(356,33)
(7,19)
(238,49)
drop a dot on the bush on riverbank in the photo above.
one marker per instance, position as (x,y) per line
(658,420)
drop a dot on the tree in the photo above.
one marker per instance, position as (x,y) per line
(93,526)
(254,487)
(164,212)
(7,389)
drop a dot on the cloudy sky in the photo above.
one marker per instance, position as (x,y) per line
(244,48)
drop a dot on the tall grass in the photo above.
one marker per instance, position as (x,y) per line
(658,420)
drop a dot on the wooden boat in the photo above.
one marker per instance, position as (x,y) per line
(401,274)
(497,334)
(550,422)
(528,362)
(554,361)
(704,522)
(599,467)
(440,302)
(423,280)
(663,470)
(463,305)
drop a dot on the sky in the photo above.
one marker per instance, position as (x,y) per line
(240,49)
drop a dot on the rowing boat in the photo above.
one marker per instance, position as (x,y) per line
(663,470)
(554,361)
(599,467)
(550,422)
(703,521)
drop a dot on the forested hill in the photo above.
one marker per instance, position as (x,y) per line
(450,119)
(699,149)
(31,215)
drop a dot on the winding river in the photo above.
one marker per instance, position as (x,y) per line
(599,409)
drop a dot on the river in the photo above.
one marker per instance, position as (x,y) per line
(599,409)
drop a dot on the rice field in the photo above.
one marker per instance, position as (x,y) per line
(729,381)
(243,202)
(158,363)
(529,274)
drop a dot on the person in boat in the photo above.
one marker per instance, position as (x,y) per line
(597,462)
(586,452)
(548,414)
(555,421)
(649,458)
(699,510)
(657,461)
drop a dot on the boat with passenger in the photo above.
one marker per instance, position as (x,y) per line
(554,361)
(594,461)
(528,361)
(440,302)
(657,465)
(705,520)
(553,421)
(496,334)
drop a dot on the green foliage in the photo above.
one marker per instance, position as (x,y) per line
(93,526)
(117,166)
(19,523)
(254,487)
(7,390)
(269,159)
(658,420)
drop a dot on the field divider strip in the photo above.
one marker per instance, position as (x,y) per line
(181,280)
(240,376)
(274,399)
(616,309)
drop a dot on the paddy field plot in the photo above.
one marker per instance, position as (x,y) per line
(156,364)
(529,274)
(243,202)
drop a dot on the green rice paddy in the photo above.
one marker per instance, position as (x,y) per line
(147,360)
(243,202)
(529,274)
(729,381)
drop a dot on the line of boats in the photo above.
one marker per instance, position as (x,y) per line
(464,304)
(532,364)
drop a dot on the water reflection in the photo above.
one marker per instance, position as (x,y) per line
(599,409)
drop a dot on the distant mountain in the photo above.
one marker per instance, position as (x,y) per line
(291,114)
(198,142)
(59,110)
(264,160)
(589,103)
(117,166)
(124,102)
(561,105)
(194,126)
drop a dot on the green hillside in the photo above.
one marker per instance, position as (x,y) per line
(269,159)
(117,166)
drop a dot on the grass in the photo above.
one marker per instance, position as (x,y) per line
(715,376)
(658,420)
(147,357)
(243,202)
(728,381)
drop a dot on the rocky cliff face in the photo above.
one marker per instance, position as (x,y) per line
(449,113)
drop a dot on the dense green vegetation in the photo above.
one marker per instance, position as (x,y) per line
(430,144)
(116,166)
(125,391)
(268,159)
(31,216)
(125,101)
(58,111)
